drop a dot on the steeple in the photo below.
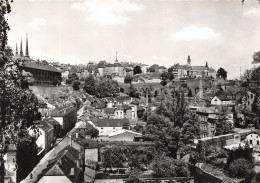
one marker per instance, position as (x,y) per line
(26,49)
(116,58)
(21,48)
(206,63)
(16,49)
(188,61)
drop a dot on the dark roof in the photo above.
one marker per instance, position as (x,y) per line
(60,112)
(122,99)
(100,105)
(199,68)
(39,66)
(109,110)
(112,122)
(101,64)
(52,121)
(223,97)
(44,125)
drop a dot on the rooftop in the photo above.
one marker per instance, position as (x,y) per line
(112,122)
(39,66)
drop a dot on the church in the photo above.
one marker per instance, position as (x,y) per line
(188,71)
(43,74)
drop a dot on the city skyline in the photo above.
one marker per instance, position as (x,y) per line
(162,32)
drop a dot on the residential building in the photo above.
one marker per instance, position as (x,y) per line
(221,100)
(66,117)
(108,126)
(124,135)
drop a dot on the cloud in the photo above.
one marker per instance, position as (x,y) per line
(37,23)
(107,11)
(195,32)
(252,12)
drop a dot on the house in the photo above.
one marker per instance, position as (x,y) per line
(221,100)
(56,127)
(108,126)
(66,117)
(124,135)
(45,138)
(10,164)
(249,100)
(253,139)
(66,167)
(207,118)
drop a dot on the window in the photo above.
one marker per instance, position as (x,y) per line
(101,128)
(251,142)
(251,95)
(257,142)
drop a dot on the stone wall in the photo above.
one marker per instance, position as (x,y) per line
(49,90)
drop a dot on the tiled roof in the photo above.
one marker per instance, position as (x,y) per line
(39,66)
(112,122)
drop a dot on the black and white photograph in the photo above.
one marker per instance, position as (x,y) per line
(130,91)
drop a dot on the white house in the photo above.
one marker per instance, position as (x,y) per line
(124,135)
(108,126)
(253,140)
(221,100)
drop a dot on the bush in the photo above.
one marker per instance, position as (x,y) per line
(241,168)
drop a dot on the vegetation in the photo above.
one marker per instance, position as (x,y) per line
(223,125)
(133,92)
(19,107)
(128,79)
(222,73)
(107,88)
(137,70)
(71,78)
(89,86)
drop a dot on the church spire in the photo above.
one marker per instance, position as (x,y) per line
(116,57)
(16,49)
(188,61)
(26,49)
(21,48)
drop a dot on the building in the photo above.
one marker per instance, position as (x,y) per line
(207,118)
(124,135)
(187,70)
(10,164)
(220,100)
(66,116)
(42,74)
(67,167)
(108,126)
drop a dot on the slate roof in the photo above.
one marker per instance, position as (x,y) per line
(112,122)
(35,65)
(223,97)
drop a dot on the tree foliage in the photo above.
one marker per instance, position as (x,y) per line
(153,68)
(128,79)
(223,125)
(89,85)
(72,77)
(114,157)
(108,88)
(222,73)
(133,92)
(137,70)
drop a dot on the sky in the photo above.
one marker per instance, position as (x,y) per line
(224,33)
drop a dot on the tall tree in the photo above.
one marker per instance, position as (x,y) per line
(222,73)
(137,70)
(89,85)
(19,107)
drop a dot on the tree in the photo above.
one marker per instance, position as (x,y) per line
(72,77)
(107,88)
(137,70)
(128,79)
(18,106)
(133,92)
(241,168)
(134,176)
(223,125)
(89,85)
(114,157)
(154,68)
(256,57)
(93,133)
(222,73)
(76,85)
(163,83)
(163,166)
